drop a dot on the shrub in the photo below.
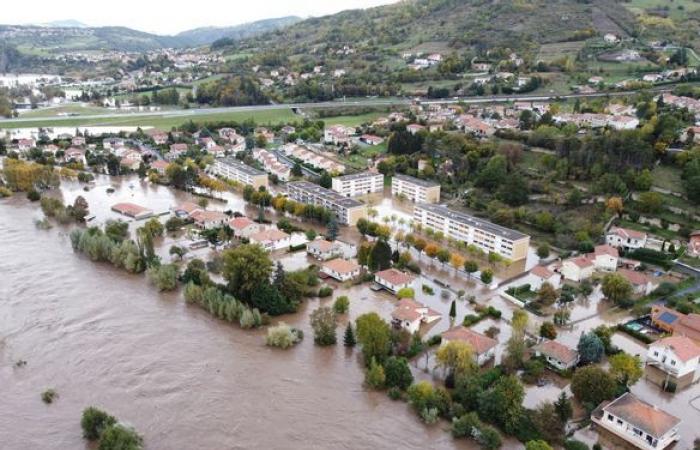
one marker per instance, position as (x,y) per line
(325,291)
(48,396)
(429,415)
(164,277)
(323,322)
(4,192)
(375,377)
(33,196)
(282,336)
(341,305)
(397,373)
(435,340)
(573,444)
(427,290)
(395,393)
(94,422)
(118,437)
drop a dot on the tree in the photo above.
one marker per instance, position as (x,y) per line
(380,256)
(116,230)
(341,305)
(538,445)
(494,173)
(118,437)
(616,288)
(154,227)
(564,408)
(614,205)
(453,310)
(546,295)
(326,181)
(94,421)
(519,320)
(374,334)
(176,250)
(323,322)
(246,268)
(349,337)
(548,423)
(470,267)
(456,261)
(590,348)
(548,330)
(163,276)
(543,251)
(502,403)
(375,376)
(592,385)
(487,276)
(514,191)
(627,369)
(397,372)
(457,357)
(406,292)
(332,232)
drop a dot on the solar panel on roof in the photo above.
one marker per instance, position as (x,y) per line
(668,317)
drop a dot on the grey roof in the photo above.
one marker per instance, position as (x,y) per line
(252,171)
(417,181)
(472,221)
(327,194)
(359,176)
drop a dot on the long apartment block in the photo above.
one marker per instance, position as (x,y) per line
(415,189)
(235,170)
(487,236)
(347,210)
(357,184)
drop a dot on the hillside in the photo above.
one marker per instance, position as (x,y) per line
(72,36)
(515,24)
(207,35)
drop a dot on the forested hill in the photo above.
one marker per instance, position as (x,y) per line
(480,24)
(208,35)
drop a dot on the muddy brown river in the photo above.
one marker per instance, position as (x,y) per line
(101,337)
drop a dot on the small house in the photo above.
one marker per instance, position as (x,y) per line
(341,269)
(323,249)
(409,314)
(270,239)
(557,355)
(484,347)
(393,280)
(677,356)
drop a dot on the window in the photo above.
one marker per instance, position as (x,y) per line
(673,362)
(656,353)
(619,422)
(610,417)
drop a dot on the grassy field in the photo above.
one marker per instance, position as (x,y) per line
(553,52)
(667,177)
(677,9)
(67,109)
(167,121)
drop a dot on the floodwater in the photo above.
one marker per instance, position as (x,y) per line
(185,380)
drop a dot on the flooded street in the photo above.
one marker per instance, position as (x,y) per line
(102,337)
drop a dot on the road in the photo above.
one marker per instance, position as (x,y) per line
(322,105)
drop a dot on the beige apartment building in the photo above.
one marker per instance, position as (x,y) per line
(233,169)
(347,210)
(415,189)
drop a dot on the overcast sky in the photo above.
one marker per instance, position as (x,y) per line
(168,17)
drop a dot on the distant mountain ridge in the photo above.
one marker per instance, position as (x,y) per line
(72,35)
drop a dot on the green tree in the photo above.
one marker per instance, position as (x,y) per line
(332,229)
(470,267)
(453,310)
(341,305)
(323,322)
(380,256)
(546,295)
(502,403)
(564,408)
(118,437)
(163,276)
(543,251)
(457,357)
(94,422)
(627,369)
(538,445)
(548,423)
(592,385)
(374,334)
(246,268)
(349,337)
(494,173)
(326,181)
(487,276)
(616,288)
(590,348)
(154,227)
(397,372)
(375,377)
(176,250)
(548,330)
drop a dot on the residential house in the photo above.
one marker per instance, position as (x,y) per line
(371,139)
(641,284)
(557,355)
(270,239)
(484,347)
(606,257)
(207,220)
(643,425)
(414,128)
(393,280)
(76,155)
(540,275)
(132,210)
(341,269)
(184,210)
(677,356)
(175,151)
(243,227)
(577,269)
(694,244)
(409,314)
(337,135)
(78,141)
(323,249)
(159,166)
(625,238)
(24,145)
(672,321)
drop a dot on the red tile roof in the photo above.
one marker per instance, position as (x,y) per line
(684,347)
(239,223)
(394,277)
(542,272)
(606,250)
(269,235)
(582,262)
(341,266)
(130,209)
(634,277)
(557,351)
(627,233)
(480,343)
(642,415)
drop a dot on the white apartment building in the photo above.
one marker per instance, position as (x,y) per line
(487,236)
(359,184)
(415,189)
(271,164)
(346,210)
(233,169)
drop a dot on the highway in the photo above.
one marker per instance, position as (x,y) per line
(193,113)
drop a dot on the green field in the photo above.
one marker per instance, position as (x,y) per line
(677,9)
(167,121)
(553,52)
(667,177)
(67,109)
